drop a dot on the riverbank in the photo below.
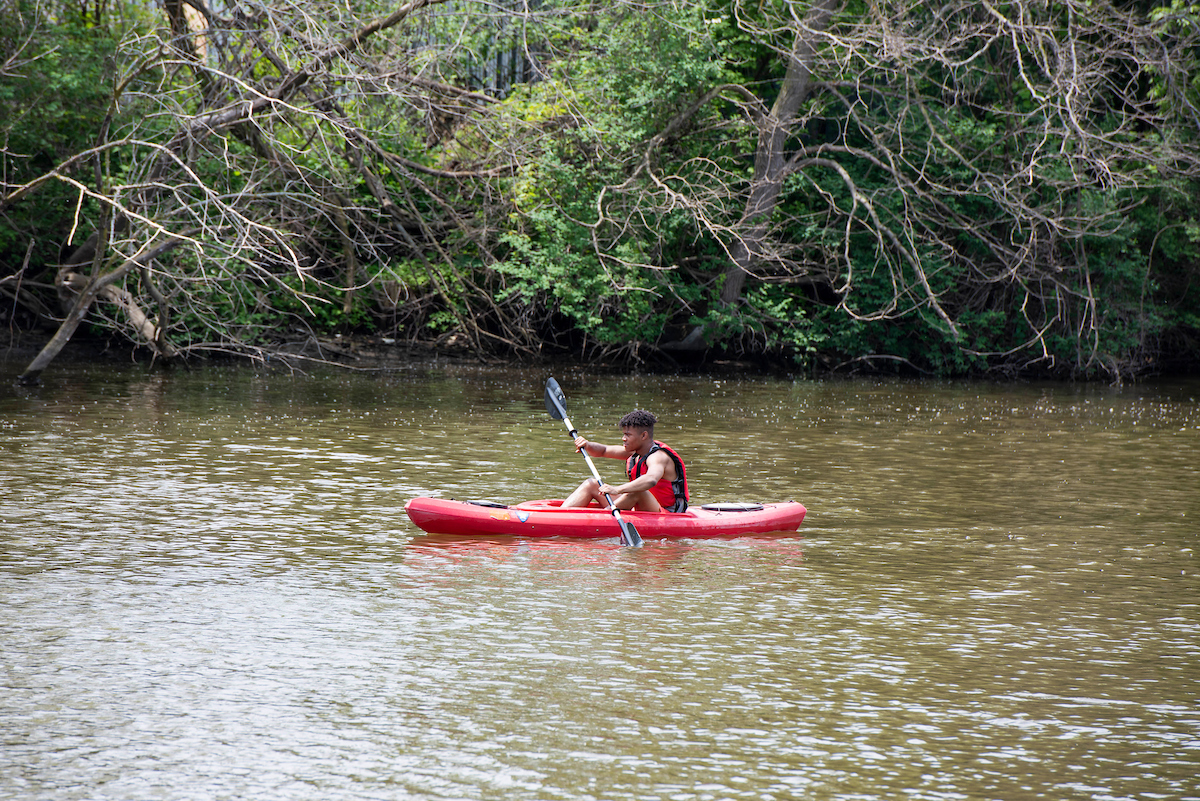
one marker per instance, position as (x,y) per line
(352,352)
(371,353)
(374,353)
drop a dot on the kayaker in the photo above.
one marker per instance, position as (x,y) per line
(657,478)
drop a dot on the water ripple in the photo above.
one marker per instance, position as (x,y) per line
(209,591)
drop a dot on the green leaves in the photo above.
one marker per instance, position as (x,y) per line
(943,163)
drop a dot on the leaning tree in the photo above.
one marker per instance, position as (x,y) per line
(253,167)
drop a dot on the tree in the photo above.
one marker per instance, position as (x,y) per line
(961,186)
(251,163)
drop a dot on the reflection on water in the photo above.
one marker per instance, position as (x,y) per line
(209,590)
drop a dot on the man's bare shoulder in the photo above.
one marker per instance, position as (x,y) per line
(661,457)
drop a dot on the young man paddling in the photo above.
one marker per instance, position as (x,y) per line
(657,478)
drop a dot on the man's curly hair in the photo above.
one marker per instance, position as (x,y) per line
(639,418)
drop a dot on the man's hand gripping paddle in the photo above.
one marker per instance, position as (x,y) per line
(556,405)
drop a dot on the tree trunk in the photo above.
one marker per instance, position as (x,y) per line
(82,303)
(770,158)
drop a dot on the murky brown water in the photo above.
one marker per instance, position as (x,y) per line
(208,590)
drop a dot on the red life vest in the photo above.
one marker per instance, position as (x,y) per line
(671,495)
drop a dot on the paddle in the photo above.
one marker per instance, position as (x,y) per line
(556,404)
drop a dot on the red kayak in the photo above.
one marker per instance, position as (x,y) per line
(548,519)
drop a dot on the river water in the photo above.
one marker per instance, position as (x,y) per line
(208,590)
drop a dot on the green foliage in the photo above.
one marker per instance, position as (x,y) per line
(52,100)
(773,318)
(587,237)
(241,306)
(556,265)
(627,195)
(226,302)
(320,306)
(1181,90)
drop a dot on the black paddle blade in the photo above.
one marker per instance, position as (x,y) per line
(629,534)
(556,401)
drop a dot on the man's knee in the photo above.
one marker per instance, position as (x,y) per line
(644,502)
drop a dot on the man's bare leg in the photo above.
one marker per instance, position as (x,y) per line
(587,492)
(639,501)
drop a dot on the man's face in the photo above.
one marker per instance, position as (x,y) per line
(633,438)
